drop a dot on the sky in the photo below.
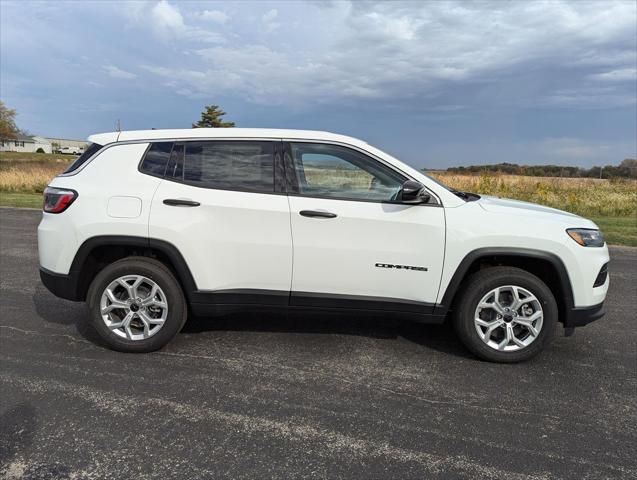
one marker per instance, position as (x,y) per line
(434,83)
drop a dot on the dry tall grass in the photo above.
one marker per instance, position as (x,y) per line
(29,177)
(583,196)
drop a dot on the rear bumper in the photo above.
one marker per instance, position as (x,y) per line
(61,285)
(578,317)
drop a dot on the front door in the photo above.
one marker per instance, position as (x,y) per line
(354,245)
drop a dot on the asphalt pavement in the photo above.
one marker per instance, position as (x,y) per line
(269,396)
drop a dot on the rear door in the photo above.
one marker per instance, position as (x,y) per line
(218,205)
(354,245)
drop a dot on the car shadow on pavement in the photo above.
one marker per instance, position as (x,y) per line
(441,338)
(64,312)
(436,337)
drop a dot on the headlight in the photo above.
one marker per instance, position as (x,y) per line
(586,237)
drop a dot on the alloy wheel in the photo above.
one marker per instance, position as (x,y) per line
(508,318)
(134,307)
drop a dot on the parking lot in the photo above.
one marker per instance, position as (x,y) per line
(266,396)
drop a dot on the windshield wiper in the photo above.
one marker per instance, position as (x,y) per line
(467,196)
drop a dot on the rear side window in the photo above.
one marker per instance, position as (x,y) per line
(91,150)
(226,165)
(156,158)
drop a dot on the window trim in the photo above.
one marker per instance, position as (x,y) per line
(287,149)
(275,150)
(279,140)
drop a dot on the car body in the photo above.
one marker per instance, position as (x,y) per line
(246,218)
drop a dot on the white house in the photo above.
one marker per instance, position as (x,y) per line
(21,143)
(24,143)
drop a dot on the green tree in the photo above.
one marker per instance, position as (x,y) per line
(8,127)
(211,118)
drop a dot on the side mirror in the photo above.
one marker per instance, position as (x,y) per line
(413,193)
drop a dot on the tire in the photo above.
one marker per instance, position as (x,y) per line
(483,283)
(156,315)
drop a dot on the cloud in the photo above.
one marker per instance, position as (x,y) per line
(620,75)
(269,20)
(166,19)
(491,77)
(215,16)
(168,24)
(117,72)
(572,148)
(407,50)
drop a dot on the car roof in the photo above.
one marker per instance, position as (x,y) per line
(195,133)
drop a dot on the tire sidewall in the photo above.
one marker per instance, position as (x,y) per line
(159,274)
(485,281)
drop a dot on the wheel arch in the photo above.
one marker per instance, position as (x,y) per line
(545,265)
(97,252)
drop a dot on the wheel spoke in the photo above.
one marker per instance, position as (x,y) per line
(150,320)
(490,327)
(516,340)
(528,324)
(136,284)
(127,286)
(507,337)
(114,302)
(123,322)
(142,316)
(126,325)
(517,301)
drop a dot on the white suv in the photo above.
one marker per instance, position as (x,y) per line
(147,226)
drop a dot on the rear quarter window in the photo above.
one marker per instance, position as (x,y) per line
(91,150)
(156,158)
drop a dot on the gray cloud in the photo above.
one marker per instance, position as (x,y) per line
(402,50)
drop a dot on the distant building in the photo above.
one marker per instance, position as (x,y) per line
(43,143)
(24,143)
(21,143)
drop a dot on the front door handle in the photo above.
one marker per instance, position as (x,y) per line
(178,202)
(317,214)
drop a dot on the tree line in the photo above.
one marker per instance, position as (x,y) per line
(626,169)
(212,115)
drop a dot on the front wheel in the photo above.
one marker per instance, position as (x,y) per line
(136,305)
(505,314)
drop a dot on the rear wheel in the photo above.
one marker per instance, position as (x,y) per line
(505,314)
(136,305)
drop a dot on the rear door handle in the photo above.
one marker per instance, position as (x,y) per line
(178,202)
(317,214)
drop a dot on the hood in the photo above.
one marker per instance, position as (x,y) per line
(516,207)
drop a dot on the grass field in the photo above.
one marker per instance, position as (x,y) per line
(612,204)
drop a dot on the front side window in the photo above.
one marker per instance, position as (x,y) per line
(324,170)
(92,149)
(225,165)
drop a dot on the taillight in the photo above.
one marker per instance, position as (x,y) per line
(56,200)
